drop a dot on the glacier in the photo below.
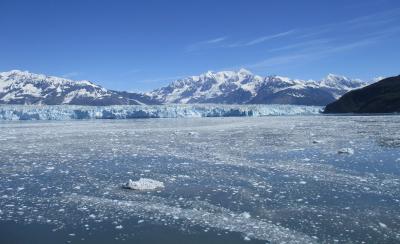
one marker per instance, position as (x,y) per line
(74,112)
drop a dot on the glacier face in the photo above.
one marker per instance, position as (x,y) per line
(70,112)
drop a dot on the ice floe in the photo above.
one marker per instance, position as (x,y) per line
(349,151)
(143,184)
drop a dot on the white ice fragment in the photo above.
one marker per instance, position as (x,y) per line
(382,225)
(118,227)
(144,184)
(348,151)
(246,215)
(246,238)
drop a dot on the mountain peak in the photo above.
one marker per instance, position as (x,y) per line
(244,71)
(23,87)
(15,72)
(342,82)
(242,86)
(335,77)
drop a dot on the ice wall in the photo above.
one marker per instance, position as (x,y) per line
(71,112)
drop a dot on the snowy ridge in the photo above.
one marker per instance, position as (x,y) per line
(23,87)
(208,86)
(243,87)
(224,87)
(72,112)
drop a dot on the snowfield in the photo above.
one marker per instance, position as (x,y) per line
(70,112)
(276,179)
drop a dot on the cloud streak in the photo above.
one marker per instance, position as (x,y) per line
(308,44)
(205,44)
(216,40)
(313,52)
(376,20)
(269,37)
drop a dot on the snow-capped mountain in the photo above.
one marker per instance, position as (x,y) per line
(23,87)
(228,87)
(220,87)
(243,87)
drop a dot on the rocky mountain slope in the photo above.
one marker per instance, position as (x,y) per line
(243,87)
(380,97)
(227,87)
(22,87)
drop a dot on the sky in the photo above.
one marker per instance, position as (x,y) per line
(142,45)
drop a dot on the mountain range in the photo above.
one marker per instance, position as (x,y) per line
(227,87)
(23,87)
(243,87)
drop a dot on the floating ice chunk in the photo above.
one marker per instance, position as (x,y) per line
(246,215)
(144,184)
(118,227)
(349,151)
(382,225)
(246,238)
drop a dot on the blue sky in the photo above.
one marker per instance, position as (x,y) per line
(140,45)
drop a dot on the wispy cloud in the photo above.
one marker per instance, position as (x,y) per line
(321,41)
(205,44)
(381,17)
(313,52)
(259,40)
(303,44)
(216,40)
(376,20)
(276,61)
(296,46)
(269,37)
